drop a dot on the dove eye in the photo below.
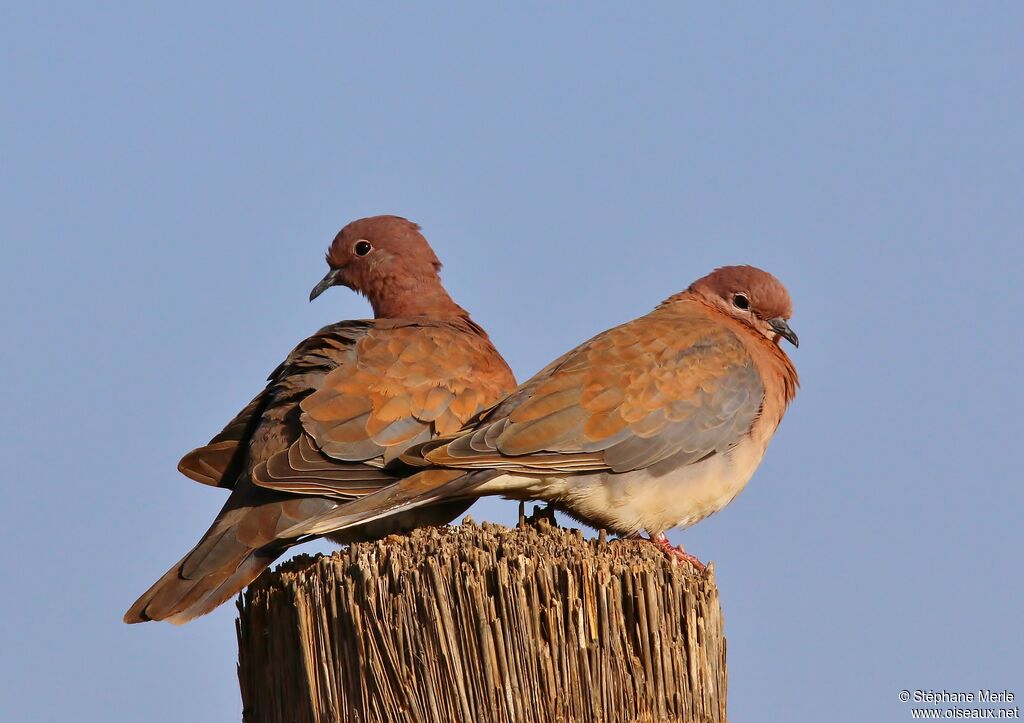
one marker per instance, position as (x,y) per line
(362,248)
(740,301)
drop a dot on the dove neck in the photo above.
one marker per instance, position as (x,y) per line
(414,297)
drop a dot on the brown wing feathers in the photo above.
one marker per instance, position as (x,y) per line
(402,386)
(662,385)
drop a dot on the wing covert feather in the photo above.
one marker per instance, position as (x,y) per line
(673,384)
(392,387)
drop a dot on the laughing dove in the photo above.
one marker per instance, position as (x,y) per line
(651,425)
(337,414)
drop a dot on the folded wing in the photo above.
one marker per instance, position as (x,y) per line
(673,384)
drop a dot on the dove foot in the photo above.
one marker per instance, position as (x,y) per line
(678,553)
(540,515)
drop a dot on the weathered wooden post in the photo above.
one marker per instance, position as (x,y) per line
(482,623)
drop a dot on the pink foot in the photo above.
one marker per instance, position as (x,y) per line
(661,540)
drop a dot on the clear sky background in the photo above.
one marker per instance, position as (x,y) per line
(172,176)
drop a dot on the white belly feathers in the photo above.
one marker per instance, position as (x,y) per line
(643,500)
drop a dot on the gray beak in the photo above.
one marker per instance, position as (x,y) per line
(331,279)
(781,328)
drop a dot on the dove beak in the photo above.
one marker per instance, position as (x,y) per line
(781,327)
(331,279)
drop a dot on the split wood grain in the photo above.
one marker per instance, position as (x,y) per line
(482,623)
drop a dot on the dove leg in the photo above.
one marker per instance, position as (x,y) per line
(661,540)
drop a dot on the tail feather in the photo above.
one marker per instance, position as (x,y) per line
(240,544)
(213,595)
(178,597)
(428,488)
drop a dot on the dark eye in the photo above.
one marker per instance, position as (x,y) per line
(362,248)
(740,301)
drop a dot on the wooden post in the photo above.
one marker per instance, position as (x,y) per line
(482,623)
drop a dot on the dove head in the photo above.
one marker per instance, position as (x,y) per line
(752,296)
(387,260)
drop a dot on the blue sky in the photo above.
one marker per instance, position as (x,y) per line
(171,177)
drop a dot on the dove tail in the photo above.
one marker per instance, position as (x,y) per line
(432,497)
(214,571)
(243,541)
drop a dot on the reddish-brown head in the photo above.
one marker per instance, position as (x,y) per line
(387,260)
(750,295)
